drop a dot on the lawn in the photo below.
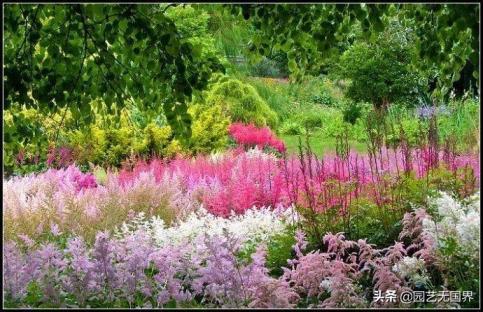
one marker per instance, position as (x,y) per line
(318,143)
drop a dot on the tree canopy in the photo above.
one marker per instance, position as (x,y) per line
(447,34)
(60,56)
(380,72)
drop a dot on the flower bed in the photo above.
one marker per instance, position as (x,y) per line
(140,267)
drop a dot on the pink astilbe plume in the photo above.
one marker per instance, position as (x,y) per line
(342,288)
(310,270)
(274,294)
(384,279)
(51,264)
(366,254)
(106,277)
(221,280)
(18,270)
(175,272)
(318,273)
(80,281)
(225,184)
(337,244)
(263,290)
(133,266)
(394,254)
(250,135)
(59,157)
(421,243)
(132,262)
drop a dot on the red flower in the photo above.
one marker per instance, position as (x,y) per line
(249,135)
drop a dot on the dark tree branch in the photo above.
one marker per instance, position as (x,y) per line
(25,34)
(168,6)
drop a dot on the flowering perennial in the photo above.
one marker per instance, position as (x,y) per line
(147,264)
(250,135)
(224,184)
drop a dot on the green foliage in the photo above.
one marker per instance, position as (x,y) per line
(155,139)
(352,113)
(275,93)
(61,56)
(231,33)
(241,102)
(101,143)
(309,102)
(461,122)
(380,223)
(34,295)
(311,34)
(280,249)
(379,72)
(311,119)
(332,122)
(461,272)
(209,128)
(20,125)
(290,127)
(308,90)
(325,124)
(192,23)
(455,121)
(268,67)
(320,143)
(366,223)
(323,99)
(100,174)
(446,40)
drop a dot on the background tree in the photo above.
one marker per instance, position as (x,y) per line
(447,35)
(380,71)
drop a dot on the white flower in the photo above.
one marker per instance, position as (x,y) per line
(255,225)
(460,221)
(259,153)
(468,229)
(325,284)
(413,269)
(429,226)
(474,202)
(448,207)
(216,157)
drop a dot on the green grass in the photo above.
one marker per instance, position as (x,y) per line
(318,143)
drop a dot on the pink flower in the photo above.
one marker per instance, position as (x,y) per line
(250,135)
(54,229)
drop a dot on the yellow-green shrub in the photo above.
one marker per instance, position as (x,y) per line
(209,128)
(109,147)
(156,138)
(241,102)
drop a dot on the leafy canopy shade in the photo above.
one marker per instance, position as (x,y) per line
(65,56)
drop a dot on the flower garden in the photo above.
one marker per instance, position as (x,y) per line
(233,229)
(277,198)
